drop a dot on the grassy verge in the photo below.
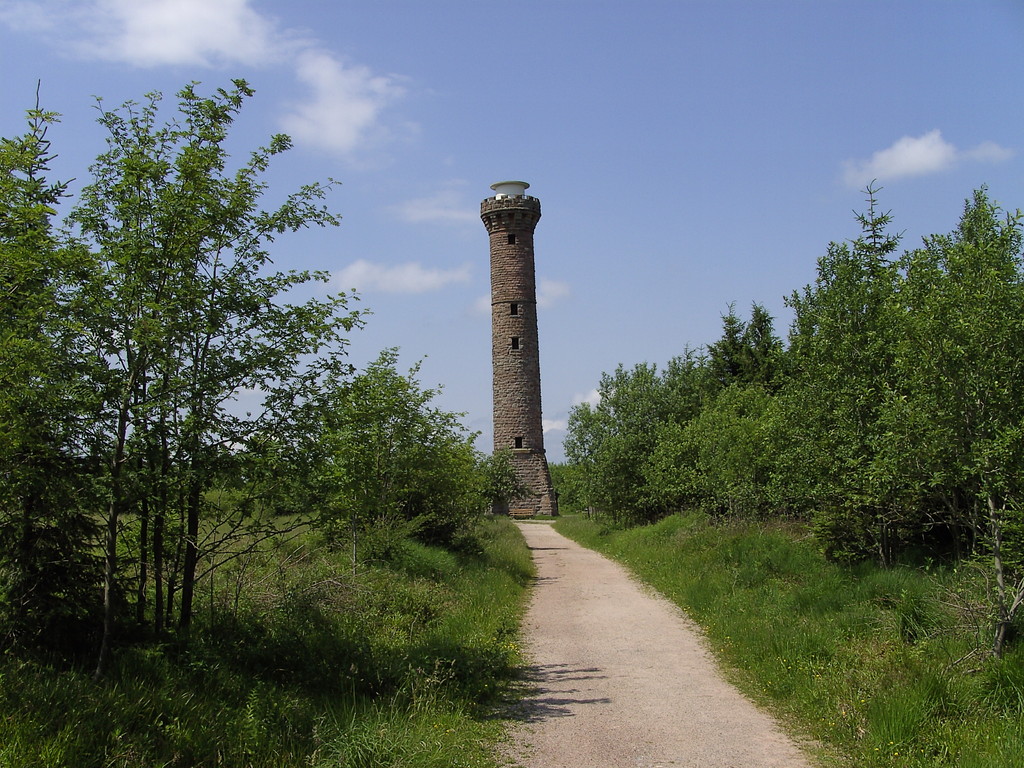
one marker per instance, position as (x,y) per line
(877,666)
(297,663)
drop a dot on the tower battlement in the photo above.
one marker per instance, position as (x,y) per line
(499,213)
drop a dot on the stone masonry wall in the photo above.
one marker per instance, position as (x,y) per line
(515,353)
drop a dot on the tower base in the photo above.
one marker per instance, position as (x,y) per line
(532,472)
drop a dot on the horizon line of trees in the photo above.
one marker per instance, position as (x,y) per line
(892,420)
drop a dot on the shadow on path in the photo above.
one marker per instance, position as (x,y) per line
(546,696)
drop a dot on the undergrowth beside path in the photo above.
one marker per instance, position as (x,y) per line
(299,663)
(881,667)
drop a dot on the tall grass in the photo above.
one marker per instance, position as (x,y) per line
(297,663)
(878,667)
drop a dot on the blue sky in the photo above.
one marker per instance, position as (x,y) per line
(687,154)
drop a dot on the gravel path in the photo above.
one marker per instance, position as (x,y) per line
(620,678)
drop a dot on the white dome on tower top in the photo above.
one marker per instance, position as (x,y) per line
(509,188)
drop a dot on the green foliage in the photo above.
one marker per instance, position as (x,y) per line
(841,372)
(297,664)
(129,334)
(731,453)
(501,484)
(892,421)
(748,352)
(612,441)
(186,314)
(658,441)
(124,347)
(963,377)
(568,481)
(47,567)
(877,665)
(393,460)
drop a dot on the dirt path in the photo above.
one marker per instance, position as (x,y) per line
(622,678)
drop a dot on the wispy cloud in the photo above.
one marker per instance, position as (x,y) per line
(345,102)
(989,152)
(918,156)
(340,111)
(446,205)
(410,277)
(550,292)
(27,17)
(554,425)
(482,305)
(150,33)
(591,398)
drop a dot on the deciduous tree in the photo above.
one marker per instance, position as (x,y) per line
(187,314)
(961,412)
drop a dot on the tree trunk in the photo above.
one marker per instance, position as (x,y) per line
(24,561)
(109,574)
(110,544)
(172,580)
(1004,613)
(158,568)
(188,576)
(352,518)
(141,592)
(158,528)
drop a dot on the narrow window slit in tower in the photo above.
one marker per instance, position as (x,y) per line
(512,239)
(515,342)
(515,309)
(519,442)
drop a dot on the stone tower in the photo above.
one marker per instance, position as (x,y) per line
(510,217)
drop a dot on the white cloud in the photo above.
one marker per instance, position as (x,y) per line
(989,152)
(445,205)
(482,305)
(550,291)
(917,156)
(167,32)
(25,16)
(345,102)
(342,107)
(907,157)
(410,277)
(591,398)
(554,425)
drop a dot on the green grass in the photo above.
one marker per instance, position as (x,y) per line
(867,664)
(302,665)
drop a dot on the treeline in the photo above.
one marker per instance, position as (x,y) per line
(166,405)
(892,420)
